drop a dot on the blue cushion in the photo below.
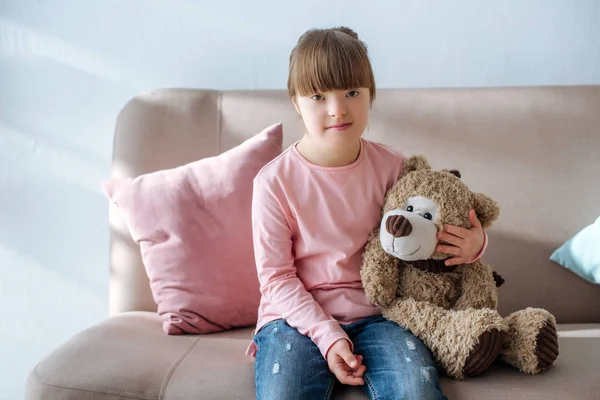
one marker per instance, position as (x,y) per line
(581,253)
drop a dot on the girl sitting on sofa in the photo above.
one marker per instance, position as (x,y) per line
(313,208)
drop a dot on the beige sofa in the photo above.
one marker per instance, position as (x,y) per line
(534,150)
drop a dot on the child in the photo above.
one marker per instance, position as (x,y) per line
(313,208)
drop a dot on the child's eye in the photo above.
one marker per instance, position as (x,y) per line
(353,93)
(317,97)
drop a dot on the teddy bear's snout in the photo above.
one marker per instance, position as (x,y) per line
(398,226)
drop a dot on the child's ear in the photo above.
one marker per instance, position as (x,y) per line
(487,210)
(414,163)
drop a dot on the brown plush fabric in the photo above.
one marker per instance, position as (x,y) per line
(398,226)
(379,273)
(451,335)
(455,172)
(498,279)
(546,348)
(442,290)
(430,265)
(520,349)
(453,310)
(438,186)
(478,286)
(484,353)
(413,164)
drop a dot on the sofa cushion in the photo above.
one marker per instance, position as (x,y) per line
(129,357)
(193,225)
(581,253)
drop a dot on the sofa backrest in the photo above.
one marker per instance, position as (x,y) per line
(534,150)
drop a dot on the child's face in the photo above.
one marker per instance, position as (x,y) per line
(337,118)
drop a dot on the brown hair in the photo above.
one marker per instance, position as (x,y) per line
(329,59)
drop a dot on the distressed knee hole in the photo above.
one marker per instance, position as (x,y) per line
(426,374)
(275,368)
(411,344)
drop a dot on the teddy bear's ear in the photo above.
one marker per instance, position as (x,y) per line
(454,172)
(487,210)
(414,163)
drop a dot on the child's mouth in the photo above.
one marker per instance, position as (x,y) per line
(340,127)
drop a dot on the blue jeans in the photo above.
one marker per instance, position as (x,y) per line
(290,366)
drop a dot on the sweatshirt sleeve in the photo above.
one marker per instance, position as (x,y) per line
(483,247)
(277,276)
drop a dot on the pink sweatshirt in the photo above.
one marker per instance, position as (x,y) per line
(310,225)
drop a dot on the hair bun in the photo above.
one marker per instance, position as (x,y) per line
(347,31)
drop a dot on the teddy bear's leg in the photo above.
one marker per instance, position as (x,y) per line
(463,342)
(532,343)
(485,352)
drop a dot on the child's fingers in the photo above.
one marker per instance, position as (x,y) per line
(345,377)
(348,357)
(353,381)
(339,373)
(453,250)
(456,230)
(360,372)
(360,365)
(475,223)
(451,239)
(455,261)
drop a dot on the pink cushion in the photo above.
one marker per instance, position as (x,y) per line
(193,225)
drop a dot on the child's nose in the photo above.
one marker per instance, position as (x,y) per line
(337,108)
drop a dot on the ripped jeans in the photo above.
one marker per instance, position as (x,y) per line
(290,366)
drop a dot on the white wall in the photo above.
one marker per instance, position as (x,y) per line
(68,66)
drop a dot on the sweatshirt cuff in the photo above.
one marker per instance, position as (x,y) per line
(327,340)
(483,248)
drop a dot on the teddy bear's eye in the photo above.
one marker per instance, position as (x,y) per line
(409,208)
(428,216)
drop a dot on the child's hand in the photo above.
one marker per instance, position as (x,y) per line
(465,244)
(347,368)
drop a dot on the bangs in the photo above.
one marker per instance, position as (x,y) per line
(330,62)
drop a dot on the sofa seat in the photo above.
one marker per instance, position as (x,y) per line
(129,357)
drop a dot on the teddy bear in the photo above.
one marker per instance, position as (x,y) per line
(452,309)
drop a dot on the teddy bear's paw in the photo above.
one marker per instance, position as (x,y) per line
(484,353)
(546,349)
(532,341)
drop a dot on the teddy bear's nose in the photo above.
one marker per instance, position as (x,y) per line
(398,226)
